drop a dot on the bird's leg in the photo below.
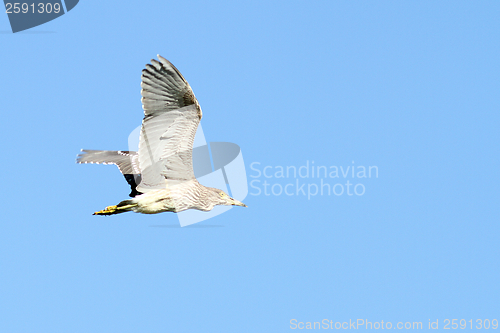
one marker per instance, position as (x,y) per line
(122,207)
(107,211)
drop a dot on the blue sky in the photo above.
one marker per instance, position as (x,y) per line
(408,87)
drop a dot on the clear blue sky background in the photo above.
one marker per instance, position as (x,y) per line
(409,87)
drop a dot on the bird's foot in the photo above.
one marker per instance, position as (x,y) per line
(108,211)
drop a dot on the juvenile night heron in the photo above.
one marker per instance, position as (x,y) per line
(161,173)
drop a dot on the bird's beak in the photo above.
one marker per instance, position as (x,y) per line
(238,203)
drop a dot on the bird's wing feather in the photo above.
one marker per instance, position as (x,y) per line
(164,88)
(172,115)
(127,161)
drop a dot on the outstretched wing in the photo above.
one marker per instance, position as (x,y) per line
(172,115)
(127,162)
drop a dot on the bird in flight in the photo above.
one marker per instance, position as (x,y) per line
(161,173)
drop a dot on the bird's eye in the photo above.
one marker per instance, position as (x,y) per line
(221,194)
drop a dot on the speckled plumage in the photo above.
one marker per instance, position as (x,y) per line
(161,173)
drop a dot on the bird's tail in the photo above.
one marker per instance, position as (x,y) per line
(122,207)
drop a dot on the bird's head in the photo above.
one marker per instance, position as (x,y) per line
(222,198)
